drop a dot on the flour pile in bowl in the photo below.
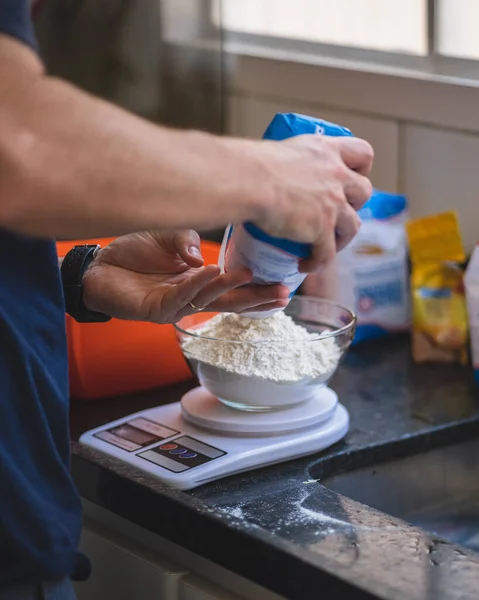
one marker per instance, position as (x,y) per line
(291,353)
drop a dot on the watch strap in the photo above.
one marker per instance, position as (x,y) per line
(73,268)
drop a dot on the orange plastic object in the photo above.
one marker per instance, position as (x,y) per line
(121,357)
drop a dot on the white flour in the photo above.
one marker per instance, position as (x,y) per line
(290,354)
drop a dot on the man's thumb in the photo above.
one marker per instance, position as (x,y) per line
(188,245)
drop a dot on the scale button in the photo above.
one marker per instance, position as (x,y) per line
(168,447)
(178,450)
(189,455)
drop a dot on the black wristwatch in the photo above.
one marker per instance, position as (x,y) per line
(72,270)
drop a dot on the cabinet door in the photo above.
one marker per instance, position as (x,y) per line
(195,588)
(124,570)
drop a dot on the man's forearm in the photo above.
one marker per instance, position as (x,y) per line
(73,166)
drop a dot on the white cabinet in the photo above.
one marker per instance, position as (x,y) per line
(122,570)
(131,563)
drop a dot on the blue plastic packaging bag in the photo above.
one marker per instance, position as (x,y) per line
(288,125)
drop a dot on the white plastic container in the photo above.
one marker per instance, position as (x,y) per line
(273,260)
(370,276)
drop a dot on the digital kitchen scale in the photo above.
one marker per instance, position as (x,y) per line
(198,440)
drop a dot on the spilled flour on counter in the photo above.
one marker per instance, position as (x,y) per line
(291,353)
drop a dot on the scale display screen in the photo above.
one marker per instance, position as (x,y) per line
(182,454)
(136,434)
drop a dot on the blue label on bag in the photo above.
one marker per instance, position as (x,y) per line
(294,248)
(379,295)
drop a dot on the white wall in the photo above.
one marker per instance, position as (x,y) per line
(436,168)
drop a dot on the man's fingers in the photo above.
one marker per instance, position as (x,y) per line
(357,154)
(187,243)
(222,284)
(247,298)
(184,292)
(266,307)
(358,190)
(323,253)
(229,297)
(347,227)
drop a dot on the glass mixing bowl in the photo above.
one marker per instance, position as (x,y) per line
(332,330)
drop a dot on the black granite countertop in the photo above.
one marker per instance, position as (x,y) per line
(279,526)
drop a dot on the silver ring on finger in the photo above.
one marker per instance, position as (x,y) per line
(196,308)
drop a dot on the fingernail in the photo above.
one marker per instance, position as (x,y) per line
(195,251)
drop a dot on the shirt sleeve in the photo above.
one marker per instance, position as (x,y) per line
(15,21)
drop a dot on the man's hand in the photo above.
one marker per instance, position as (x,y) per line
(317,183)
(153,276)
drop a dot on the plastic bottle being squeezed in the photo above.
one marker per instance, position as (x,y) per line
(273,260)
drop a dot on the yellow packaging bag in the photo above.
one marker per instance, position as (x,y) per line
(440,329)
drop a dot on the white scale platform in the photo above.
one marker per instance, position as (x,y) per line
(198,440)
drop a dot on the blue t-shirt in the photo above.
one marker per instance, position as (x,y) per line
(40,509)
